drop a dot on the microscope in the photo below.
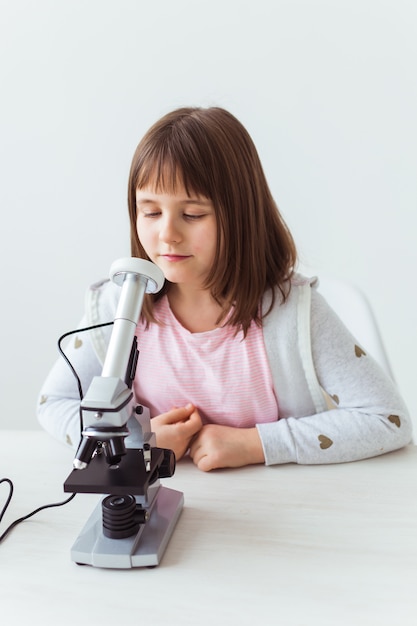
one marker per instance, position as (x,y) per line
(133,523)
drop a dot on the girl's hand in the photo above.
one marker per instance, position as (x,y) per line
(223,446)
(175,429)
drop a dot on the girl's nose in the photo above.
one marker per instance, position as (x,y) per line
(169,232)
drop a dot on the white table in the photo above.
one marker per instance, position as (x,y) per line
(291,545)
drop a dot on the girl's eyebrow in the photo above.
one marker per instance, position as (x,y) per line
(145,201)
(196,201)
(188,201)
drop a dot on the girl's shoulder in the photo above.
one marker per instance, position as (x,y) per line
(294,289)
(299,280)
(101,301)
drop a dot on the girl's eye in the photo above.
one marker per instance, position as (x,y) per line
(151,214)
(193,217)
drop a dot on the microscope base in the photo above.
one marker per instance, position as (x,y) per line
(145,549)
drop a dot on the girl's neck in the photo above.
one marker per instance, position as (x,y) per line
(195,309)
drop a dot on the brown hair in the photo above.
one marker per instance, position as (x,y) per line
(212,155)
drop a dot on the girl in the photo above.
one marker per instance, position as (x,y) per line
(241,360)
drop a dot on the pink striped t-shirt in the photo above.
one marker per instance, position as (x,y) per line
(227,378)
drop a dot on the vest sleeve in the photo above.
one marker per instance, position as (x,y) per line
(365,416)
(59,399)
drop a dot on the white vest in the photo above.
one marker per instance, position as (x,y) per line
(288,345)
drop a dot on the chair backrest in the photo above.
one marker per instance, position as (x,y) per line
(353,308)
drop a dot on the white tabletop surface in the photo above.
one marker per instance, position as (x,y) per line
(291,545)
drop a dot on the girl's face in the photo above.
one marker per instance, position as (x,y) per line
(178,232)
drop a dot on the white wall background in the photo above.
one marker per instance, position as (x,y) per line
(327,89)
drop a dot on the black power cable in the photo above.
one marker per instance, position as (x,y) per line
(8,481)
(22,519)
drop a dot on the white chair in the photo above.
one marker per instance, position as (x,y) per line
(353,308)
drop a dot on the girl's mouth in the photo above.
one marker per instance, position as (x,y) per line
(175,257)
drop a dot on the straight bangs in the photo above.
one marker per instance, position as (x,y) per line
(171,162)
